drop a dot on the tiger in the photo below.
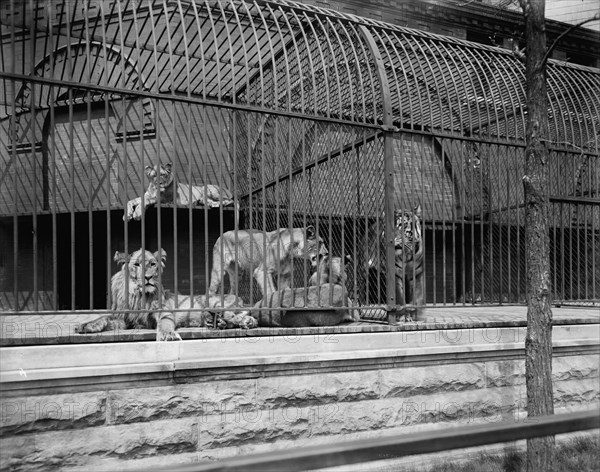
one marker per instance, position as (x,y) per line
(136,286)
(263,254)
(408,259)
(163,187)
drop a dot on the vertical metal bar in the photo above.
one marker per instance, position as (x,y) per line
(123,119)
(488,163)
(468,207)
(455,223)
(572,230)
(389,172)
(175,148)
(221,94)
(207,252)
(500,245)
(356,209)
(275,105)
(52,164)
(69,65)
(562,251)
(389,41)
(478,157)
(141,171)
(443,146)
(236,202)
(202,110)
(107,156)
(263,201)
(220,183)
(249,150)
(595,243)
(424,243)
(250,178)
(15,140)
(484,213)
(34,195)
(189,159)
(509,205)
(361,210)
(234,144)
(89,154)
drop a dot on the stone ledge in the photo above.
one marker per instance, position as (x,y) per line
(378,358)
(240,349)
(83,367)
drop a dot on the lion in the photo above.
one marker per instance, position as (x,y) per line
(164,189)
(140,302)
(263,254)
(332,270)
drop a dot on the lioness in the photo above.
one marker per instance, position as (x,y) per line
(263,254)
(330,269)
(140,302)
(163,187)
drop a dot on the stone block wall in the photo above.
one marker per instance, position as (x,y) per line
(210,399)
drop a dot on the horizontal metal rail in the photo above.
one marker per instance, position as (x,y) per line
(426,442)
(189,99)
(194,100)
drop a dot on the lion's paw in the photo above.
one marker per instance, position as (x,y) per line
(86,328)
(134,210)
(240,320)
(81,328)
(248,322)
(168,336)
(221,323)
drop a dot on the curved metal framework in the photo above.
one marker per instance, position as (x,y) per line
(308,116)
(294,59)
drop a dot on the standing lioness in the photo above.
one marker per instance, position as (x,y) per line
(264,255)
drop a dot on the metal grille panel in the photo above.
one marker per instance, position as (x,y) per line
(277,115)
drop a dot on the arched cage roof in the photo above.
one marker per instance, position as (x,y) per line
(284,58)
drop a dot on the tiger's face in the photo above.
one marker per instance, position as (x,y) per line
(161,176)
(407,234)
(143,269)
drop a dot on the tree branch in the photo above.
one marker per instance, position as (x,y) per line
(566,32)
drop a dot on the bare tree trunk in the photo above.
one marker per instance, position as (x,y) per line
(538,342)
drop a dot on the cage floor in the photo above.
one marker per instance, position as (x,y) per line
(58,328)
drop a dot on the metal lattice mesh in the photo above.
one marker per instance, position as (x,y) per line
(288,107)
(324,175)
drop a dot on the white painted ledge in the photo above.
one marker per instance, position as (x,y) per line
(35,363)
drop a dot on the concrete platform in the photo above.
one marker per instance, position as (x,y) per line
(58,327)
